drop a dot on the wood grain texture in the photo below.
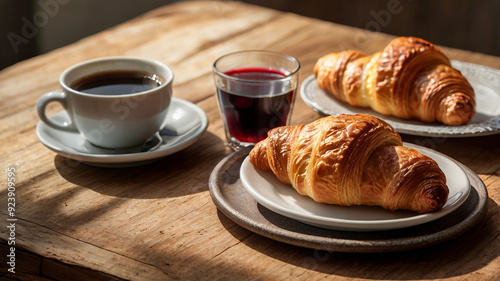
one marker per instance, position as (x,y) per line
(157,222)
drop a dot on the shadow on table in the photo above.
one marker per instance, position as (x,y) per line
(73,202)
(437,261)
(176,175)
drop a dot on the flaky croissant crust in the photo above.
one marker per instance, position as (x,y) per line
(352,160)
(411,78)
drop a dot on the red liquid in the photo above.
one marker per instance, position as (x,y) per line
(251,111)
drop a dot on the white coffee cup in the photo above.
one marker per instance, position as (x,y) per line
(112,121)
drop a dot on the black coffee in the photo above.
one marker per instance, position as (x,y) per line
(116,83)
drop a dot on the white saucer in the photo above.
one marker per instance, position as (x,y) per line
(186,123)
(265,188)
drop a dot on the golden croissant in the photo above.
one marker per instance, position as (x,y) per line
(411,78)
(352,160)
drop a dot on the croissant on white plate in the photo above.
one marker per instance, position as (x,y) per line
(352,160)
(411,78)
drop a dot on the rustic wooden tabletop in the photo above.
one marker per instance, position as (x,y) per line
(73,221)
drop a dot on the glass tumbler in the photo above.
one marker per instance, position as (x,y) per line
(256,92)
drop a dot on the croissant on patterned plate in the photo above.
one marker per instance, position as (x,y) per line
(352,160)
(411,78)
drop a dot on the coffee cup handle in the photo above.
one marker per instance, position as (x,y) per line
(42,104)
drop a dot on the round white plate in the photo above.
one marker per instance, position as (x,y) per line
(186,122)
(265,188)
(484,80)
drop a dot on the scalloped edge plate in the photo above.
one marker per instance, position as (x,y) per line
(484,80)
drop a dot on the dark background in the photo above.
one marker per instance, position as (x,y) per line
(32,27)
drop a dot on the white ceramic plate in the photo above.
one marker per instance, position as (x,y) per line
(186,122)
(265,188)
(484,80)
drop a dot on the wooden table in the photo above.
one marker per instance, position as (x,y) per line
(158,222)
